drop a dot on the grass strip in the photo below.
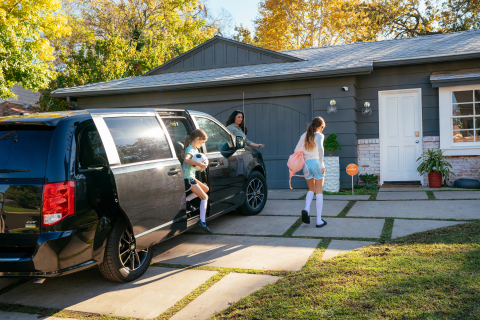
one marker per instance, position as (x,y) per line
(347,208)
(222,269)
(431,196)
(387,230)
(429,275)
(293,228)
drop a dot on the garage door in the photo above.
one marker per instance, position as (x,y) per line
(278,127)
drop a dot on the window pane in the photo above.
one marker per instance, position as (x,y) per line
(462,123)
(463,109)
(477,123)
(462,96)
(92,153)
(463,136)
(178,129)
(477,109)
(477,95)
(218,139)
(138,139)
(477,134)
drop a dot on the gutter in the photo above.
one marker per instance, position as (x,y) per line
(426,59)
(216,83)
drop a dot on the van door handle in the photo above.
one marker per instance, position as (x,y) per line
(173,171)
(214,164)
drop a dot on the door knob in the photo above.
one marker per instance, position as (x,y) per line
(416,141)
(173,171)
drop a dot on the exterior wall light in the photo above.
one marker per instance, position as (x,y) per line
(332,109)
(366,111)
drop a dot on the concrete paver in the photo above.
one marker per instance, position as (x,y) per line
(402,196)
(421,188)
(156,291)
(252,225)
(228,290)
(5,282)
(265,253)
(337,247)
(405,227)
(345,197)
(343,227)
(424,209)
(26,316)
(447,195)
(286,194)
(291,207)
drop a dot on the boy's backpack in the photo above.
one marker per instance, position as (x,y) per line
(295,163)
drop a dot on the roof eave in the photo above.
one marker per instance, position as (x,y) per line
(193,85)
(426,59)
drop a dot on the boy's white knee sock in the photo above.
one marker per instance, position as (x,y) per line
(308,201)
(203,210)
(319,208)
(191,197)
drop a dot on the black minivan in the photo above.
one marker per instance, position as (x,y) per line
(89,188)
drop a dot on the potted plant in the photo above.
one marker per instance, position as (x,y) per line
(369,180)
(332,164)
(435,165)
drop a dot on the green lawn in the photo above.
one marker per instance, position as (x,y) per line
(16,209)
(431,275)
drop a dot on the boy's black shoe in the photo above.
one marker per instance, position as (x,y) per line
(204,226)
(305,217)
(322,225)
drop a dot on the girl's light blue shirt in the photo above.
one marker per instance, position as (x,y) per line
(237,132)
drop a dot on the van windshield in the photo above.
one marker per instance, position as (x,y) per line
(24,151)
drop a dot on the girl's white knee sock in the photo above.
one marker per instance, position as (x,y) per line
(319,208)
(191,197)
(203,210)
(308,201)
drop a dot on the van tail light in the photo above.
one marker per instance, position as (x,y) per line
(58,202)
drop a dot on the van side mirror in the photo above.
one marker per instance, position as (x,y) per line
(239,142)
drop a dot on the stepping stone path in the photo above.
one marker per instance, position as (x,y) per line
(345,197)
(26,316)
(257,243)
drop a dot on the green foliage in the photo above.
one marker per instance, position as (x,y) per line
(26,29)
(371,179)
(331,144)
(434,161)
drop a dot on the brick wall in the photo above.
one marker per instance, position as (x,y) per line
(368,151)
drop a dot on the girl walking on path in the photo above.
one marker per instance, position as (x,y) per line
(193,187)
(236,125)
(311,143)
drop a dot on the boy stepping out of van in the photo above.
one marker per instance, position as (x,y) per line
(193,187)
(311,143)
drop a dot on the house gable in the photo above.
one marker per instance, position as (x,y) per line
(220,52)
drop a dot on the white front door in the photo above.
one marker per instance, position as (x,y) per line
(400,115)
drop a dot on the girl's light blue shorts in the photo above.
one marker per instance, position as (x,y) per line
(314,170)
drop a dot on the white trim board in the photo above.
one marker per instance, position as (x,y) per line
(382,131)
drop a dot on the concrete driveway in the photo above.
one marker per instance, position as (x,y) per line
(195,275)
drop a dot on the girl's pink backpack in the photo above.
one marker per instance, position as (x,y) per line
(295,163)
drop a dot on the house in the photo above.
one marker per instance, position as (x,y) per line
(423,93)
(24,102)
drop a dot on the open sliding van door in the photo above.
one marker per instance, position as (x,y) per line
(148,176)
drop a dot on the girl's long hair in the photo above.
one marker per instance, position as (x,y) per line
(311,131)
(232,117)
(197,133)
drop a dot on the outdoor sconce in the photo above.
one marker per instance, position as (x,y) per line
(332,109)
(366,111)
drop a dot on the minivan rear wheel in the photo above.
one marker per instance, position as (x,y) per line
(123,261)
(255,194)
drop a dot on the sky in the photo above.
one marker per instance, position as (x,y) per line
(242,11)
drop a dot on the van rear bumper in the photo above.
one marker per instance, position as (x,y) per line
(57,253)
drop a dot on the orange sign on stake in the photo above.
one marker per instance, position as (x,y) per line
(352,170)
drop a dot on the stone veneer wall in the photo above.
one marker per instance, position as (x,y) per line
(368,151)
(332,174)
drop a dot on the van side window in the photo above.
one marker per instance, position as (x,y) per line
(91,153)
(218,138)
(178,129)
(138,139)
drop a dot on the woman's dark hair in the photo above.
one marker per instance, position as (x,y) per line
(232,117)
(312,128)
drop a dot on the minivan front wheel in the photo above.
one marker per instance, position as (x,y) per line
(124,261)
(255,194)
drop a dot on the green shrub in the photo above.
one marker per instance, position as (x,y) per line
(331,144)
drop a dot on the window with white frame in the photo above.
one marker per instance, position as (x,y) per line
(466,116)
(459,108)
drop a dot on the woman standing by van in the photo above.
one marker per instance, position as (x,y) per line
(236,125)
(311,143)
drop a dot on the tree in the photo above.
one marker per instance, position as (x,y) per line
(26,55)
(244,35)
(460,15)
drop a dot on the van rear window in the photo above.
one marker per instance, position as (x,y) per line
(24,151)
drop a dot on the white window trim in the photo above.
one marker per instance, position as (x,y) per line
(446,126)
